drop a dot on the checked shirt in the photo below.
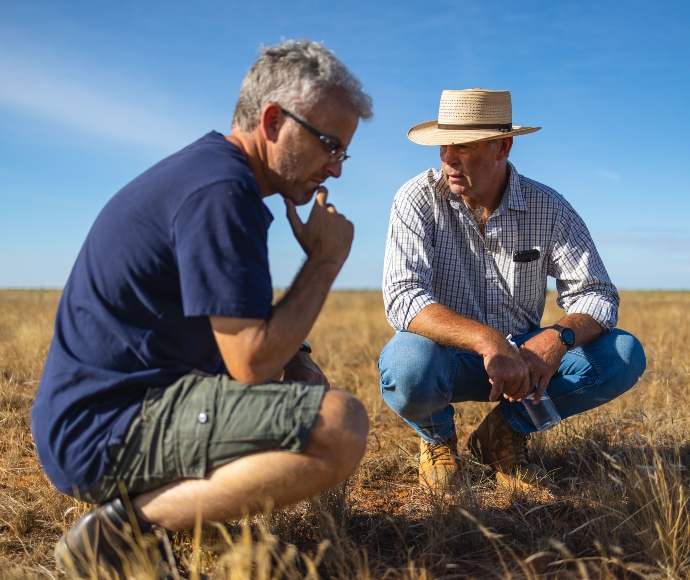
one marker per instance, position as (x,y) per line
(435,253)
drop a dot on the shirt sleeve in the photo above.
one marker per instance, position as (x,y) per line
(583,285)
(221,235)
(407,271)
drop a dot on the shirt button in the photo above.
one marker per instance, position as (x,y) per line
(202,418)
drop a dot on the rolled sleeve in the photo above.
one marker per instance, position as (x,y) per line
(602,309)
(583,284)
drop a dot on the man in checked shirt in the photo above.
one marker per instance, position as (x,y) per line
(468,252)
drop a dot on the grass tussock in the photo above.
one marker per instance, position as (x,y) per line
(621,510)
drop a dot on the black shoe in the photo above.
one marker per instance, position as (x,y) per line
(102,544)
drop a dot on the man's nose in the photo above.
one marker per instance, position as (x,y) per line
(449,155)
(334,169)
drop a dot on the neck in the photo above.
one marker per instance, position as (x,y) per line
(481,215)
(256,157)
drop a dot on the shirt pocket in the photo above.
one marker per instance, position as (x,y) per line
(528,283)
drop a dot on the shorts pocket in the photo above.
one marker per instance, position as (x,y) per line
(192,426)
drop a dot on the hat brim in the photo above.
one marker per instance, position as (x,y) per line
(429,134)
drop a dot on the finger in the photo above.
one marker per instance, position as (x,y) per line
(541,388)
(526,387)
(291,212)
(533,375)
(496,389)
(522,389)
(533,372)
(321,195)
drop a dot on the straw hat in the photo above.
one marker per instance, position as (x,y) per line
(469,115)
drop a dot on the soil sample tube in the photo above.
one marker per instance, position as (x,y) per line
(544,414)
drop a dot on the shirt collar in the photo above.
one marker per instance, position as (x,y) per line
(516,197)
(514,200)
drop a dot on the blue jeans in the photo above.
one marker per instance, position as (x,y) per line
(420,379)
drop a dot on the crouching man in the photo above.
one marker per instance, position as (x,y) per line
(468,252)
(161,380)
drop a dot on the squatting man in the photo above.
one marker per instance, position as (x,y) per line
(160,387)
(468,252)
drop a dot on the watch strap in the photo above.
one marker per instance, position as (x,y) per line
(560,329)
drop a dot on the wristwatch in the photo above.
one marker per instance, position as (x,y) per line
(567,335)
(306,347)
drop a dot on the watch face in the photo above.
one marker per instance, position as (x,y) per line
(568,336)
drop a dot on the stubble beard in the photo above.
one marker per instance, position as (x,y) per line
(290,174)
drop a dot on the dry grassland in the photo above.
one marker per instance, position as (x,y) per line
(622,471)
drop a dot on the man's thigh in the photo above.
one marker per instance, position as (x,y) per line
(415,368)
(598,372)
(202,422)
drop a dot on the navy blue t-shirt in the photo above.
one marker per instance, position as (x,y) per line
(185,240)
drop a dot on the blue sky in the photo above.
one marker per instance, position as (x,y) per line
(94,92)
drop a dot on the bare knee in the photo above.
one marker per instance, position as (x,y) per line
(340,433)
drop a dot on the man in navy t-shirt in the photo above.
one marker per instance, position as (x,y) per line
(172,381)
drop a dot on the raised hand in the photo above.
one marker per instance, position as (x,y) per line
(326,234)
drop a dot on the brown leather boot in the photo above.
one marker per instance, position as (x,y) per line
(438,462)
(495,444)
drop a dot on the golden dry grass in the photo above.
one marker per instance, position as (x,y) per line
(622,472)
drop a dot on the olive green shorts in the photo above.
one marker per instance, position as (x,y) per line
(202,422)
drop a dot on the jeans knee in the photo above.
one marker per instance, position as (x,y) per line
(633,357)
(406,395)
(413,380)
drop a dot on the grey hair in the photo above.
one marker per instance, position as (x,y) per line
(295,74)
(493,143)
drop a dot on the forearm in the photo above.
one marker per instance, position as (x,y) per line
(585,327)
(255,351)
(448,328)
(297,311)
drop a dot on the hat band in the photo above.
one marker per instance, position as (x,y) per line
(499,126)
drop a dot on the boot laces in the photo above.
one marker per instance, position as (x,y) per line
(436,452)
(519,444)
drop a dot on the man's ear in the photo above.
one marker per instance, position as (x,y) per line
(271,121)
(504,147)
